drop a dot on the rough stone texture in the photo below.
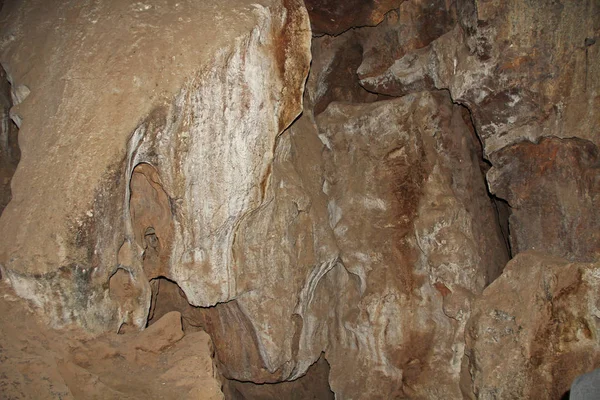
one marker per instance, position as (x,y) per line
(37,362)
(525,70)
(535,329)
(336,16)
(553,188)
(363,232)
(185,98)
(417,237)
(166,331)
(529,75)
(313,385)
(378,230)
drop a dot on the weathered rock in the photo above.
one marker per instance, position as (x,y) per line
(524,70)
(313,385)
(417,235)
(534,329)
(377,232)
(404,32)
(336,16)
(553,188)
(333,73)
(146,139)
(37,362)
(166,331)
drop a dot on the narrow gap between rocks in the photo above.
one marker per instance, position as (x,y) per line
(501,206)
(10,153)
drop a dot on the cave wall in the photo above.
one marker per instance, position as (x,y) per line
(442,174)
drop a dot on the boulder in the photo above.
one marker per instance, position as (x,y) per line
(146,138)
(534,330)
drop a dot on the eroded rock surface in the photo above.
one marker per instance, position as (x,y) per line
(184,98)
(534,329)
(336,16)
(37,362)
(159,182)
(524,70)
(365,216)
(553,188)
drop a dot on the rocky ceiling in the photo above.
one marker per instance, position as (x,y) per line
(401,194)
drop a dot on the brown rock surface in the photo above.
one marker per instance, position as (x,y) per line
(336,16)
(410,214)
(525,70)
(129,97)
(159,185)
(378,231)
(534,329)
(553,188)
(37,362)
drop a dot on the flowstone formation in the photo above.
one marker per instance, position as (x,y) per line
(414,218)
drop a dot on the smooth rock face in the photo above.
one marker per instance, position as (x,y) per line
(534,329)
(147,138)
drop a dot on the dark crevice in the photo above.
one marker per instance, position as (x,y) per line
(501,207)
(10,153)
(312,385)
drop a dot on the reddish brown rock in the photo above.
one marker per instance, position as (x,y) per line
(336,16)
(524,70)
(534,329)
(553,188)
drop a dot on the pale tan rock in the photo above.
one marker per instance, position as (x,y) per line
(161,334)
(534,329)
(126,97)
(377,235)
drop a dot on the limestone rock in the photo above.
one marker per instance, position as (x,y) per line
(377,232)
(162,334)
(553,188)
(336,16)
(181,99)
(534,329)
(411,217)
(524,70)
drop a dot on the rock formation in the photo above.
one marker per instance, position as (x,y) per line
(352,225)
(142,146)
